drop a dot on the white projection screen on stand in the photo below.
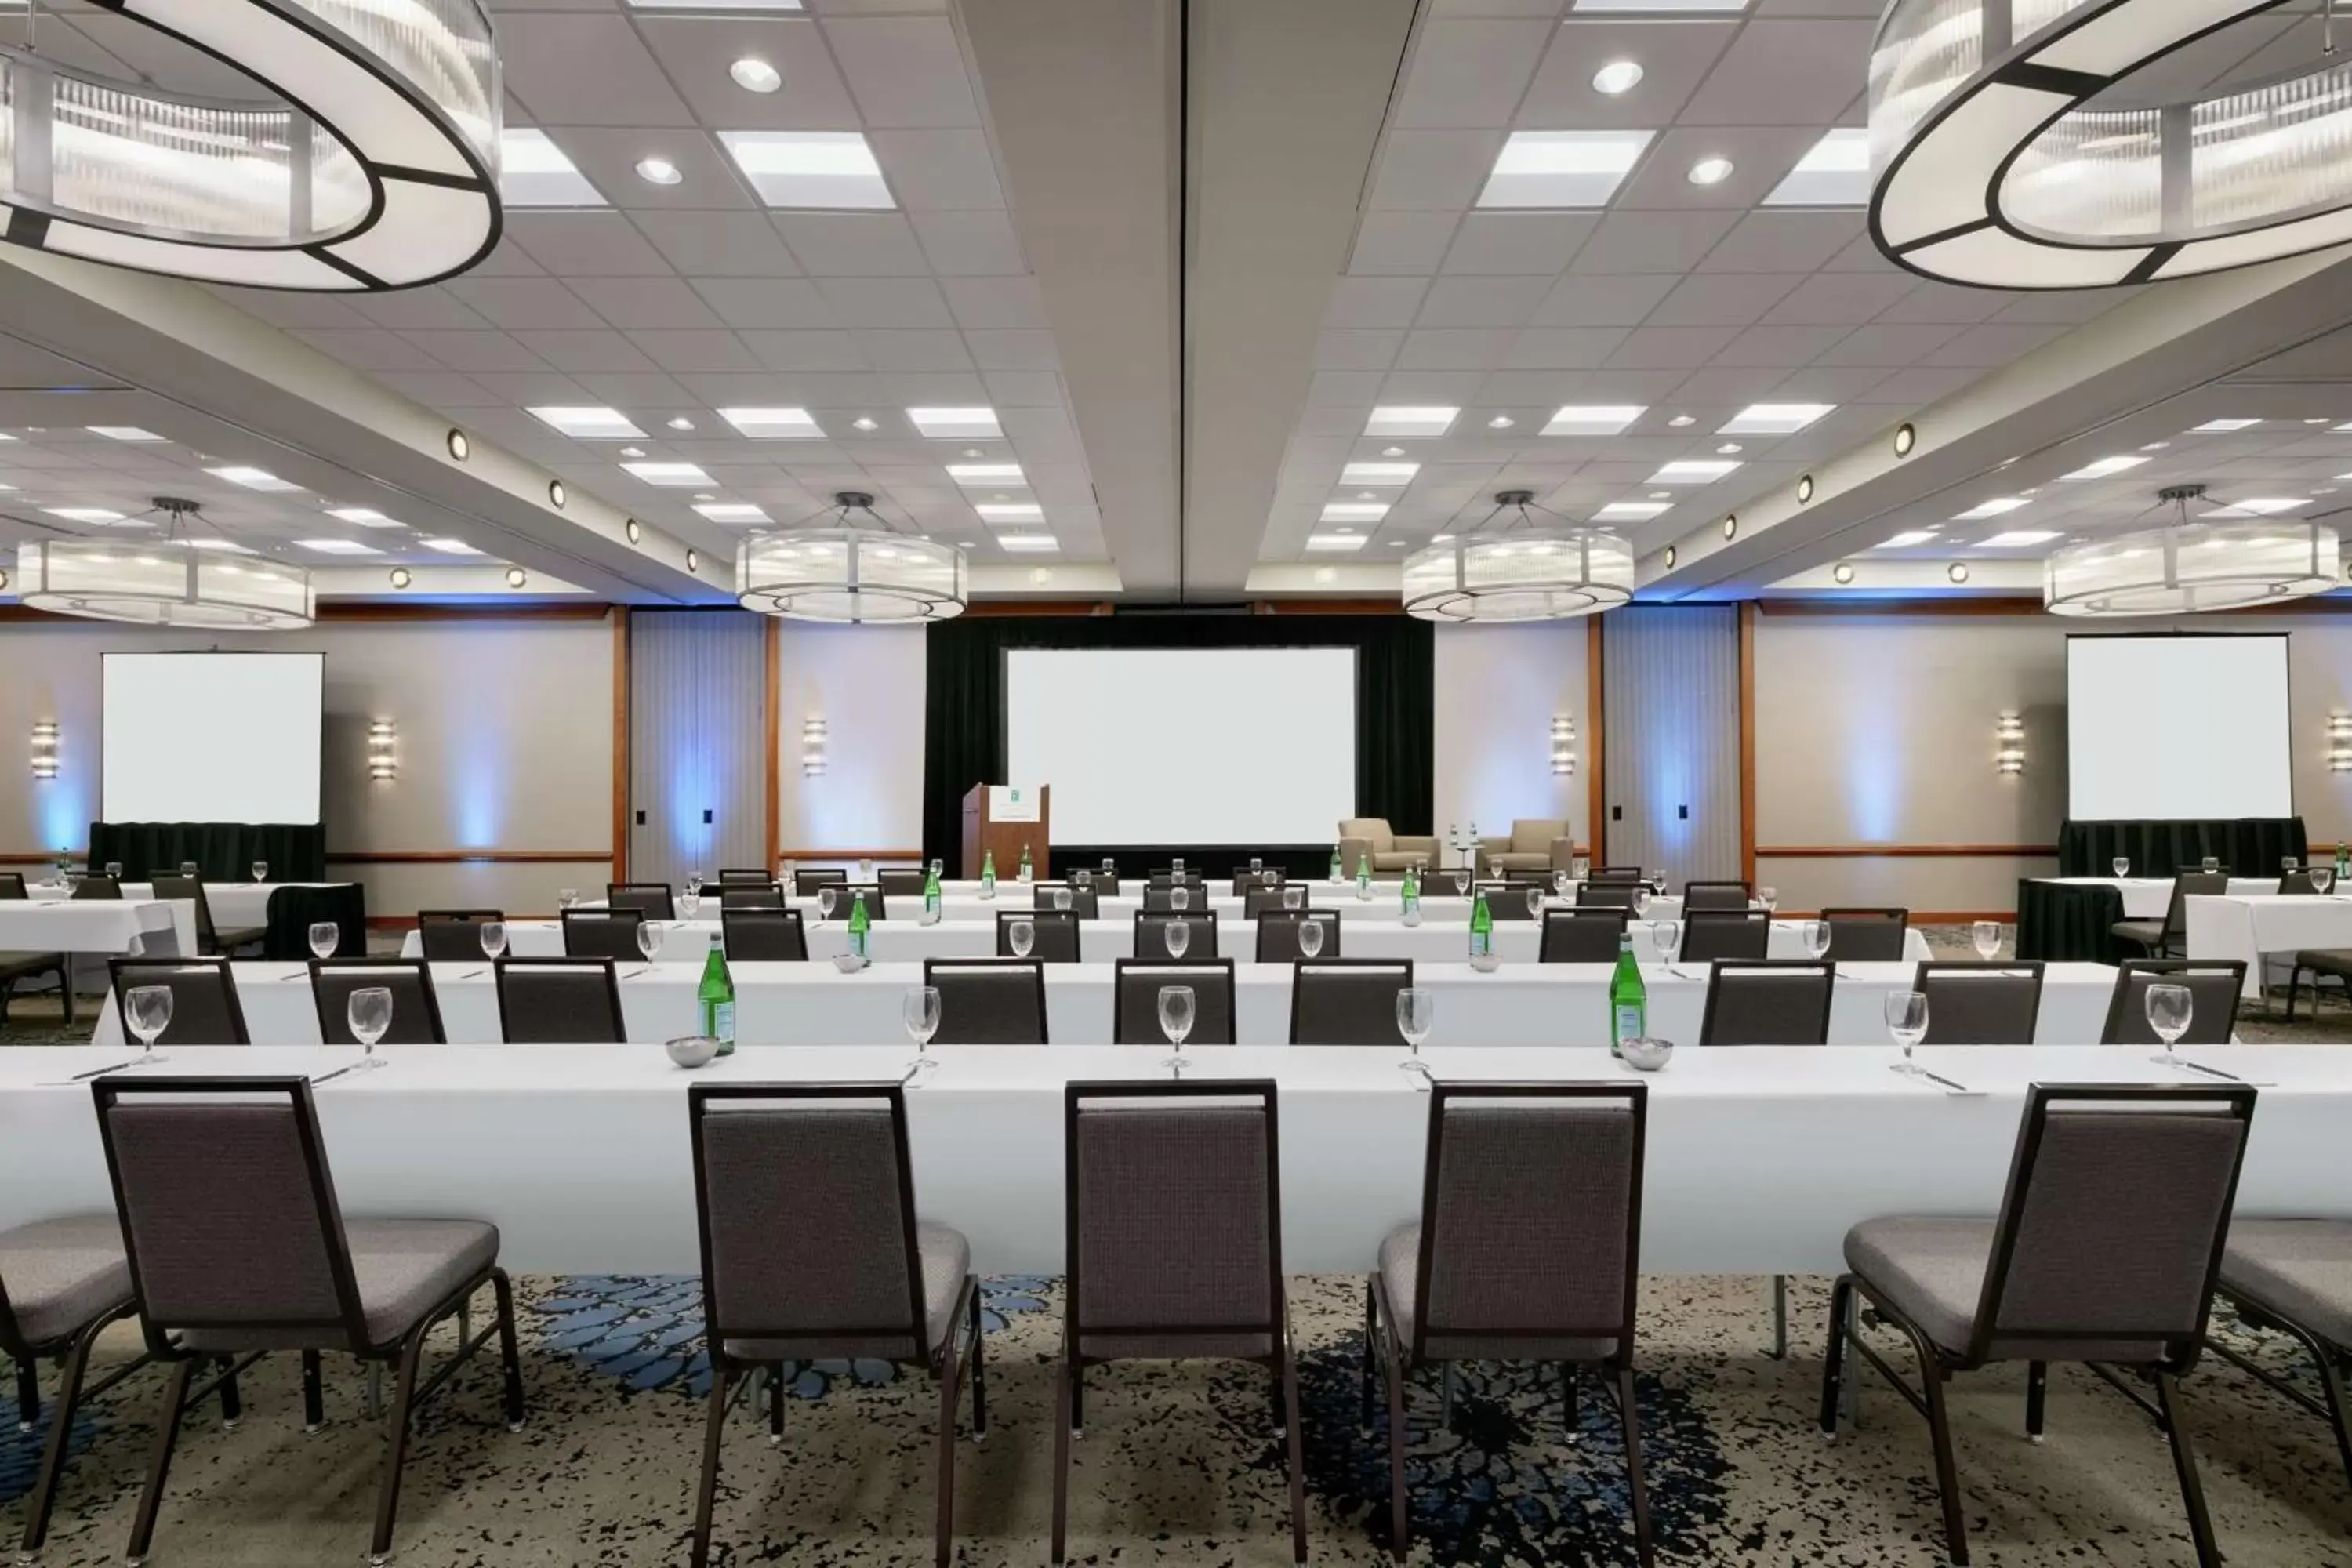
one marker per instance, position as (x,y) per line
(1209,746)
(2181,727)
(212,737)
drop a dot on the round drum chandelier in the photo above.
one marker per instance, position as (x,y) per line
(851,575)
(2219,561)
(375,167)
(2003,158)
(180,580)
(1521,571)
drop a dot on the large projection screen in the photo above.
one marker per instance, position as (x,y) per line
(1176,746)
(2181,727)
(212,737)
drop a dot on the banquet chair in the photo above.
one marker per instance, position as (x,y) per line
(1528,1249)
(1105,884)
(2160,937)
(1581,936)
(2089,1260)
(654,899)
(1507,900)
(2321,964)
(1254,904)
(1166,877)
(1159,897)
(1151,939)
(902,881)
(1867,935)
(744,876)
(847,894)
(989,1001)
(1614,874)
(1248,882)
(1164,1266)
(602,933)
(237,1247)
(98,885)
(1712,935)
(807,880)
(415,1006)
(1768,1002)
(1083,902)
(2294,1277)
(743,896)
(763,936)
(2298,885)
(15,966)
(210,939)
(866,1281)
(63,1282)
(1611,895)
(1351,1002)
(560,1000)
(205,1007)
(1714,896)
(1137,982)
(453,936)
(1973,1004)
(1278,934)
(2214,985)
(1053,938)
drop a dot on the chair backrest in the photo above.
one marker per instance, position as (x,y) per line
(845,1278)
(2298,885)
(2186,885)
(2214,985)
(1278,934)
(1714,896)
(744,876)
(1530,1215)
(1135,1005)
(847,894)
(453,936)
(175,886)
(989,1001)
(1611,895)
(766,896)
(1151,939)
(763,936)
(1054,934)
(1248,882)
(1350,1001)
(807,880)
(229,1217)
(1159,897)
(1867,935)
(904,881)
(1083,902)
(654,899)
(1614,874)
(1974,1004)
(415,1008)
(12,886)
(2111,1227)
(1582,936)
(1254,904)
(1173,1197)
(1768,1002)
(1711,934)
(98,885)
(560,1000)
(205,1007)
(602,933)
(1507,900)
(1166,877)
(1105,884)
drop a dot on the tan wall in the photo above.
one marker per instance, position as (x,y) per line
(1498,690)
(868,684)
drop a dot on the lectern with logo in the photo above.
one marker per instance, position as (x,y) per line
(999,820)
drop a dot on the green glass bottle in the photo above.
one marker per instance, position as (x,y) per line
(1481,927)
(931,892)
(1629,999)
(1028,871)
(988,875)
(716,999)
(1363,875)
(1336,876)
(2342,865)
(1412,891)
(860,924)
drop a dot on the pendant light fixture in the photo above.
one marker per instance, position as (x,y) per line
(838,568)
(2220,560)
(184,579)
(1522,570)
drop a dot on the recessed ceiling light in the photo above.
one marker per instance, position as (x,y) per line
(655,170)
(557,494)
(2018,537)
(1693,471)
(1594,418)
(1616,77)
(516,577)
(1906,437)
(632,529)
(450,546)
(732,511)
(1354,511)
(1709,171)
(1392,451)
(1834,173)
(2223,427)
(679,422)
(1630,511)
(459,447)
(865,422)
(2265,506)
(1029,541)
(1774,418)
(1682,421)
(336,547)
(753,74)
(772,424)
(1009,512)
(1561,168)
(589,424)
(951,423)
(828,169)
(252,479)
(534,172)
(1994,508)
(1440,539)
(2104,468)
(674,476)
(1958,572)
(1501,422)
(366,516)
(1409,419)
(633,451)
(401,578)
(123,432)
(1729,448)
(1841,573)
(91,514)
(986,473)
(2315,422)
(1379,473)
(1906,538)
(1334,542)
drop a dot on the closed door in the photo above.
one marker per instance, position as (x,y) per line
(1670,685)
(697,724)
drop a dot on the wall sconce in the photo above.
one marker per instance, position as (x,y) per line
(1563,745)
(2339,743)
(44,748)
(812,738)
(2009,734)
(383,761)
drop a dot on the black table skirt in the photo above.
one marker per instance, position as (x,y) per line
(293,910)
(2247,847)
(2058,921)
(223,851)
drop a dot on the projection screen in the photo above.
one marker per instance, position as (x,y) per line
(2180,726)
(212,737)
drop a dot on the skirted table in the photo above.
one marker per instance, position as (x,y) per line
(2072,919)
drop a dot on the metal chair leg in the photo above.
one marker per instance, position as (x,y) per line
(1644,1542)
(2037,1393)
(1372,1327)
(1836,1367)
(232,1405)
(372,1405)
(1948,1477)
(950,1375)
(979,1375)
(1290,1426)
(396,1448)
(2184,1464)
(1400,1525)
(1445,1396)
(167,1431)
(314,1397)
(768,1383)
(1065,1413)
(1779,1351)
(2331,1385)
(1572,1390)
(53,1453)
(510,1349)
(1077,1399)
(28,1395)
(714,1423)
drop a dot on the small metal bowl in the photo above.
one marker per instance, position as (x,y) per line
(1644,1054)
(849,962)
(1411,916)
(691,1051)
(1486,964)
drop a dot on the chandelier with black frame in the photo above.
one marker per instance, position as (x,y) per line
(1522,571)
(829,568)
(186,578)
(2222,560)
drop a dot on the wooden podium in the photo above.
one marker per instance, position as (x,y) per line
(984,835)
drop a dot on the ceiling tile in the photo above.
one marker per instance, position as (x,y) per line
(853,244)
(708,177)
(1668,348)
(650,303)
(585,244)
(475,353)
(1839,299)
(1356,350)
(1518,242)
(1023,389)
(1890,346)
(372,348)
(1760,157)
(937,170)
(1013,350)
(1784,73)
(1389,244)
(1434,171)
(985,302)
(883,302)
(1652,242)
(1482,302)
(584,69)
(1469,73)
(1455,348)
(1792,241)
(1926,300)
(1373,303)
(781,303)
(524,302)
(695,51)
(1562,348)
(904,71)
(979,244)
(421,310)
(572,351)
(807,351)
(682,353)
(1623,299)
(1984,347)
(900,351)
(1721,300)
(1779,347)
(717,243)
(1674,57)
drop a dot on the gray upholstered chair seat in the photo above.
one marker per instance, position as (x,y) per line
(1932,1270)
(2300,1267)
(1401,1255)
(61,1273)
(2336,961)
(24,965)
(2147,933)
(945,1256)
(403,1269)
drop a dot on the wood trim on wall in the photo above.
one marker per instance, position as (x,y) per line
(772,683)
(1932,605)
(1906,851)
(332,614)
(1596,782)
(789,853)
(620,855)
(1066,607)
(1747,741)
(467,856)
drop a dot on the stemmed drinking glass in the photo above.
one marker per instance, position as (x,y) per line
(2170,1009)
(1986,936)
(1640,901)
(1177,937)
(1416,1010)
(1023,934)
(1061,897)
(494,940)
(2208,864)
(566,897)
(369,1014)
(150,1009)
(1310,938)
(1180,897)
(649,942)
(1294,898)
(1178,1007)
(261,870)
(2290,865)
(689,903)
(825,903)
(1561,882)
(1815,934)
(1770,898)
(2322,879)
(325,937)
(1535,903)
(187,868)
(114,870)
(2121,865)
(1665,936)
(694,883)
(921,1010)
(1461,883)
(1907,1020)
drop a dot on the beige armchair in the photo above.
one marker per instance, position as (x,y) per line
(1534,844)
(1362,838)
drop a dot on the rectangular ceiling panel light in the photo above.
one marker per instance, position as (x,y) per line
(366,516)
(95,514)
(588,424)
(957,424)
(1632,510)
(1661,7)
(1693,471)
(2266,506)
(1032,541)
(1835,173)
(1906,538)
(732,511)
(1994,508)
(1334,542)
(336,547)
(716,5)
(809,168)
(1593,419)
(986,474)
(1561,168)
(1379,473)
(1401,419)
(2105,468)
(2021,536)
(450,546)
(1775,418)
(1354,511)
(772,424)
(2223,427)
(675,475)
(1009,512)
(123,432)
(252,479)
(534,172)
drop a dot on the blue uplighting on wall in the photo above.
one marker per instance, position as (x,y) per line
(65,813)
(476,750)
(695,787)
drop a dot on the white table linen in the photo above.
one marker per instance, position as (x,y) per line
(235,905)
(2252,927)
(144,927)
(2150,897)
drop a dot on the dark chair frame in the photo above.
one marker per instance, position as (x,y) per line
(1617,920)
(2033,967)
(1040,922)
(729,919)
(745,877)
(1248,882)
(751,896)
(1938,1365)
(116,968)
(1267,922)
(611,986)
(2332,1361)
(847,894)
(807,880)
(1507,896)
(632,919)
(1084,902)
(1222,968)
(1859,916)
(209,938)
(454,917)
(73,1348)
(1741,921)
(2131,966)
(421,968)
(1746,898)
(668,911)
(1325,962)
(1193,919)
(902,881)
(13,890)
(1716,969)
(933,967)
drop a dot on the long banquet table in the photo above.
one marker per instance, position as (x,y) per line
(149,927)
(816,1003)
(2253,927)
(234,905)
(1759,1159)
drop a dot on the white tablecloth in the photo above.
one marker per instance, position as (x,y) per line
(814,1003)
(1759,1159)
(133,926)
(235,905)
(2150,897)
(2250,926)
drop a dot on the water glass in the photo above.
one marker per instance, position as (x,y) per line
(1770,898)
(1986,937)
(368,1015)
(1180,897)
(694,882)
(261,870)
(1535,903)
(1023,934)
(1294,898)
(2121,865)
(566,897)
(1816,937)
(921,1010)
(1257,864)
(1061,897)
(2170,1010)
(187,868)
(824,899)
(150,1007)
(325,937)
(1310,938)
(1666,937)
(1176,865)
(1561,882)
(2290,865)
(689,902)
(1416,1010)
(1176,936)
(2209,864)
(1082,877)
(649,939)
(1177,1008)
(866,871)
(1641,899)
(114,870)
(2322,879)
(494,940)
(1907,1020)
(1461,883)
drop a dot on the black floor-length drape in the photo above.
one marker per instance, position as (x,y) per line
(964,710)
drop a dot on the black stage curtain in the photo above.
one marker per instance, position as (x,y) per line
(963,731)
(223,851)
(2248,845)
(293,910)
(2064,922)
